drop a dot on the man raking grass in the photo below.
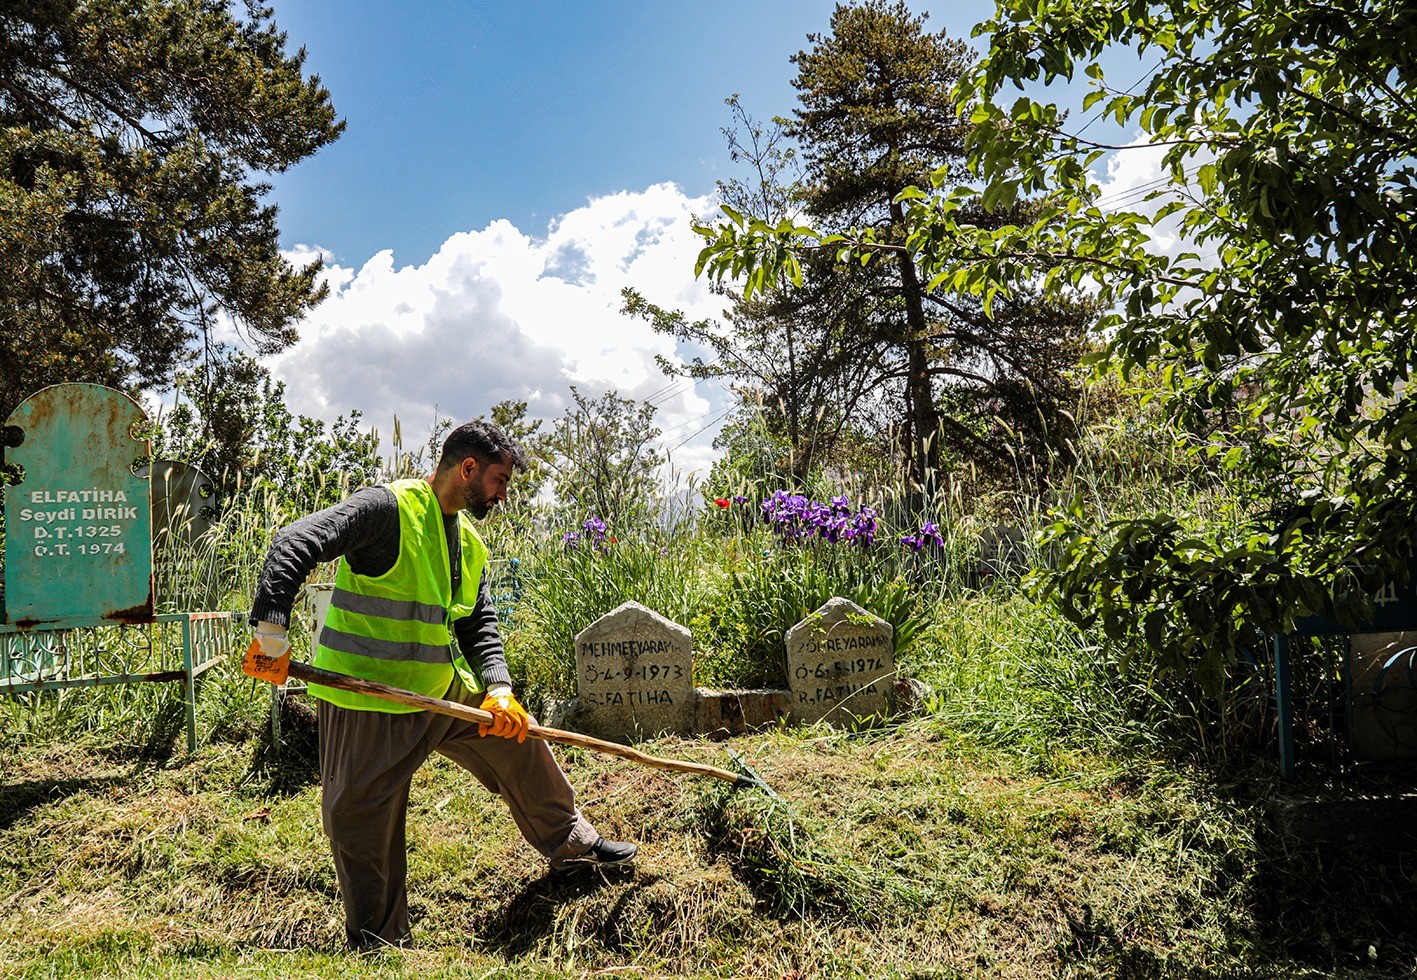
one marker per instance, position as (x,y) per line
(410,610)
(260,666)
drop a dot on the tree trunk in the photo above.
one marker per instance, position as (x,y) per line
(920,410)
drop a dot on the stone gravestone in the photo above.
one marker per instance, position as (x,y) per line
(78,541)
(183,501)
(635,674)
(840,664)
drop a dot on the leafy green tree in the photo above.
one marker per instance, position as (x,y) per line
(1284,338)
(752,459)
(231,421)
(876,117)
(132,219)
(604,454)
(219,410)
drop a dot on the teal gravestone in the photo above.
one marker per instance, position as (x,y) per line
(78,524)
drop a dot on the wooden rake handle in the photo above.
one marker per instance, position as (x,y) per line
(328,678)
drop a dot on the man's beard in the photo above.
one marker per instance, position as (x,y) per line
(477,501)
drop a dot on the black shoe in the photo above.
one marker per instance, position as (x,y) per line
(604,853)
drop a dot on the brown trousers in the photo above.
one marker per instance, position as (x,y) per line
(367,762)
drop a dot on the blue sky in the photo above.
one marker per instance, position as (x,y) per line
(507,169)
(461,113)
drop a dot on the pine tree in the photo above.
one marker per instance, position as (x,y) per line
(877,116)
(955,383)
(132,219)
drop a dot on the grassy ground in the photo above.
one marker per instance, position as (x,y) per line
(916,851)
(1032,822)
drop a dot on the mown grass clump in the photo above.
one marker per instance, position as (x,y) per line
(916,851)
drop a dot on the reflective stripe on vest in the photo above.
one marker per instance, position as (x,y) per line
(396,628)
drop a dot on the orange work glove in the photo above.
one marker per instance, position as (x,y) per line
(268,657)
(509,718)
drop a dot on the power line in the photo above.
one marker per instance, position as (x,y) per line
(719,418)
(686,423)
(1139,192)
(1103,111)
(670,395)
(673,383)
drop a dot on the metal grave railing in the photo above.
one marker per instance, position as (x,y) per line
(175,647)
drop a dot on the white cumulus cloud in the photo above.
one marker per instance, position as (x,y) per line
(502,314)
(1138,170)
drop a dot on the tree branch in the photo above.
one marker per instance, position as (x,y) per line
(120,113)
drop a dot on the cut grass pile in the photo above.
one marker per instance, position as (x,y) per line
(908,852)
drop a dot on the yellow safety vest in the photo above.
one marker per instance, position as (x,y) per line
(396,628)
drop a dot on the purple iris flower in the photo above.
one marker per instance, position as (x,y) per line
(863,527)
(593,530)
(794,517)
(929,534)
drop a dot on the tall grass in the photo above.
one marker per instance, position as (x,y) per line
(761,594)
(723,575)
(1016,675)
(1001,664)
(566,588)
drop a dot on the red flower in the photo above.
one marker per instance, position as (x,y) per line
(722,501)
(613,539)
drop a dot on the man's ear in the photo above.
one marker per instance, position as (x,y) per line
(469,468)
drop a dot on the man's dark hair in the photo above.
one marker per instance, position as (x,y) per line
(484,442)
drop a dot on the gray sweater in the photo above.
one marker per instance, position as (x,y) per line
(364,528)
